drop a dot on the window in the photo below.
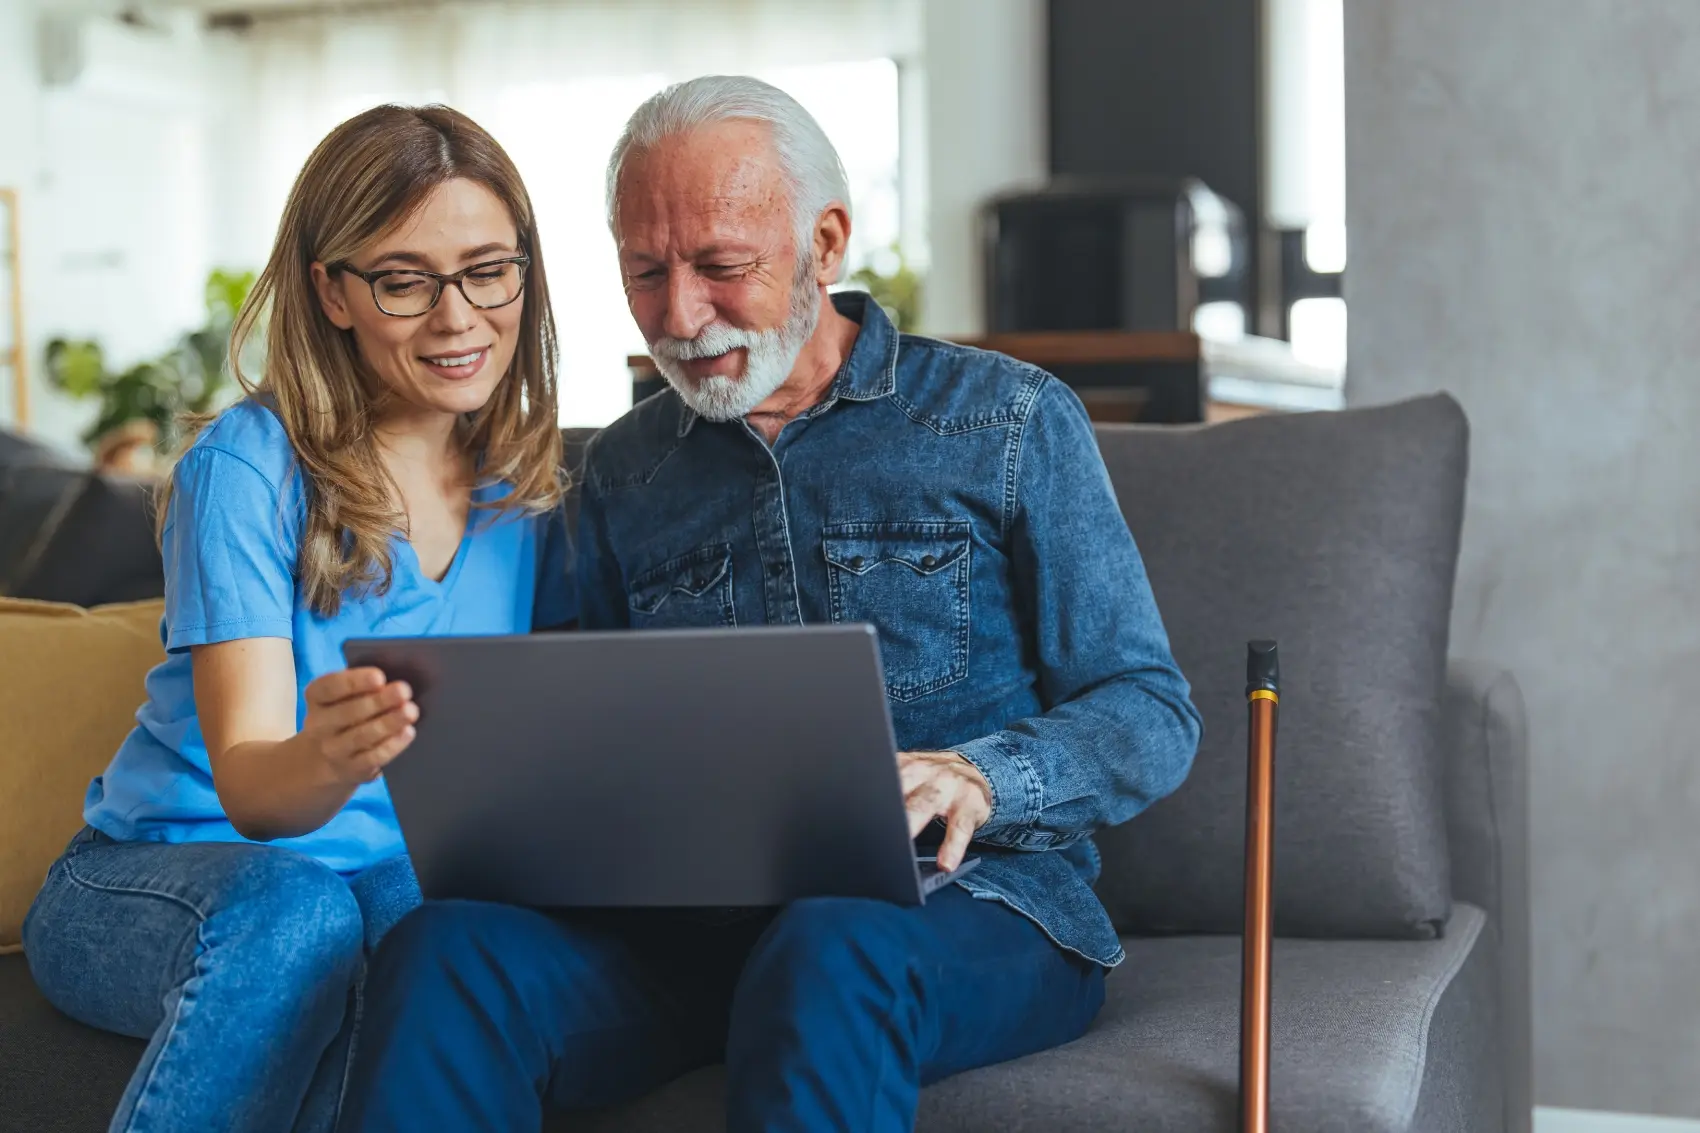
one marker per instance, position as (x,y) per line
(1307,169)
(555,83)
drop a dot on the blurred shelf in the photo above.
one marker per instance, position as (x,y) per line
(1158,377)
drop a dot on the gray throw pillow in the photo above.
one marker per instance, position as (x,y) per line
(1336,534)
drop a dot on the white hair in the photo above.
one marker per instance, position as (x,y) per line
(806,154)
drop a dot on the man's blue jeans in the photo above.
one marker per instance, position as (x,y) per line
(829,1015)
(239,962)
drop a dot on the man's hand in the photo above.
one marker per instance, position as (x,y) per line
(943,784)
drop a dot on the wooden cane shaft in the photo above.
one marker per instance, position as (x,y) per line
(1259,916)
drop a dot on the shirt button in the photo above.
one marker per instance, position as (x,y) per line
(856,562)
(776,569)
(929,563)
(696,584)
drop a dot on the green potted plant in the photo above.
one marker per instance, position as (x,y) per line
(894,285)
(187,378)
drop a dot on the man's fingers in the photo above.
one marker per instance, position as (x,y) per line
(912,773)
(333,688)
(923,804)
(958,832)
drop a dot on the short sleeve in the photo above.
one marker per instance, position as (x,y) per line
(229,553)
(557,594)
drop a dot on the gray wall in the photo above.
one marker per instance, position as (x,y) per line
(1524,203)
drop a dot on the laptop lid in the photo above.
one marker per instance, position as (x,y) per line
(724,767)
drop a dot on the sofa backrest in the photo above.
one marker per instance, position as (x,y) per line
(1337,535)
(70,683)
(77,536)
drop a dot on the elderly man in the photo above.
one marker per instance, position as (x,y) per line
(810,464)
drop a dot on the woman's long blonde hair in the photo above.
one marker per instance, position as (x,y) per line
(367,176)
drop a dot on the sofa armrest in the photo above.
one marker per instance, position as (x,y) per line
(1487,819)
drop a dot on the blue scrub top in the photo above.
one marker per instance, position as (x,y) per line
(229,548)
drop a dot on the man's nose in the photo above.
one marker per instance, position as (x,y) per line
(688,308)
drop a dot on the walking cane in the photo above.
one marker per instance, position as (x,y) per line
(1262,698)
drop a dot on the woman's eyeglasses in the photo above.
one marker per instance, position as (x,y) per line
(408,293)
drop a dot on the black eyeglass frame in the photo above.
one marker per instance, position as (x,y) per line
(442,281)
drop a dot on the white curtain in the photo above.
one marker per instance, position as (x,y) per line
(554,83)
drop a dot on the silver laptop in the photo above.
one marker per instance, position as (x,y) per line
(678,768)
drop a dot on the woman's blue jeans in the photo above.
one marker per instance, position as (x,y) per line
(241,963)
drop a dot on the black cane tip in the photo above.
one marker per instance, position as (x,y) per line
(1262,668)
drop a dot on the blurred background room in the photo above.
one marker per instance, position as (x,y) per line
(1153,199)
(148,147)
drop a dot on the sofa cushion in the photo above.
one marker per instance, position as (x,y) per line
(1367,1036)
(70,684)
(1337,535)
(56,1075)
(1352,1029)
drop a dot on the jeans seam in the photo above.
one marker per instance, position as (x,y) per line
(144,1092)
(358,1014)
(134,891)
(885,1071)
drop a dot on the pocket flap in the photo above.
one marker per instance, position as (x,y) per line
(925,548)
(693,575)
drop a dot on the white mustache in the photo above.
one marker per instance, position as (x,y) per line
(711,342)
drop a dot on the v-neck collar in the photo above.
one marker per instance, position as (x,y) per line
(445,584)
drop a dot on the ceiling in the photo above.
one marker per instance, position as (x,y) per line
(236,9)
(218,7)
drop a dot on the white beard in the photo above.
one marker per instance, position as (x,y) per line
(769,358)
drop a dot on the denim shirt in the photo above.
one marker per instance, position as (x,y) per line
(955,499)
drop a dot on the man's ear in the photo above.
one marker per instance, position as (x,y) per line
(832,243)
(332,301)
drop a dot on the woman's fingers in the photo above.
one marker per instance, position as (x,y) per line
(353,742)
(334,688)
(356,711)
(377,758)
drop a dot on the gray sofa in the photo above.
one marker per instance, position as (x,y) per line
(1401,996)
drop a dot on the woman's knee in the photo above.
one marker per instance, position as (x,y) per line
(287,919)
(114,925)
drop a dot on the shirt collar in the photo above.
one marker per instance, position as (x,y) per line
(869,373)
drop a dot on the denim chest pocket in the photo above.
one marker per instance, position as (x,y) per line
(910,580)
(690,591)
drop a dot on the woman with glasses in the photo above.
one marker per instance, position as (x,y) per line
(394,472)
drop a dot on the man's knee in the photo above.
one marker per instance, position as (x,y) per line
(835,938)
(438,937)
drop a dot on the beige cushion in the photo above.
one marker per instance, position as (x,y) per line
(70,684)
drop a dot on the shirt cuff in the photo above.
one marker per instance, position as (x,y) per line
(1017,793)
(182,637)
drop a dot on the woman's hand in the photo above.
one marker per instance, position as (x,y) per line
(357,722)
(273,780)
